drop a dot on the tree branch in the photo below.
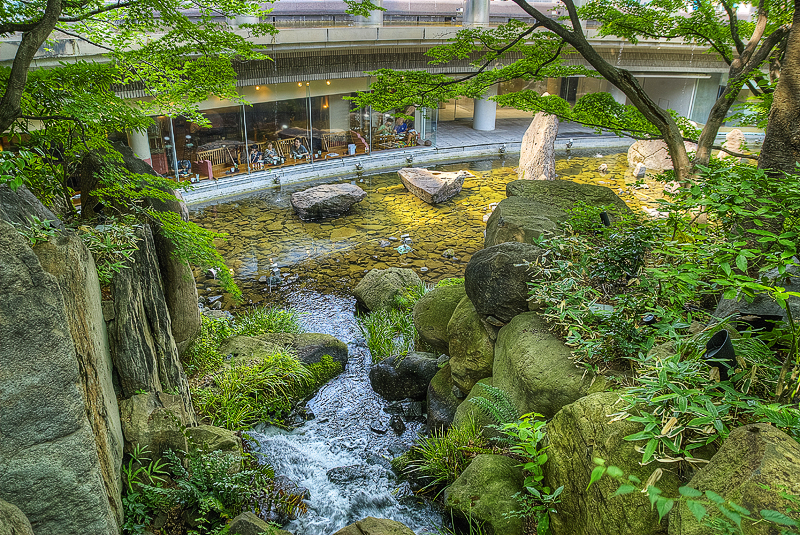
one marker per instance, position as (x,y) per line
(104,9)
(734,28)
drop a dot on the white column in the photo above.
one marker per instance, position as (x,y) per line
(375,19)
(485,111)
(339,113)
(618,95)
(140,145)
(245,19)
(476,13)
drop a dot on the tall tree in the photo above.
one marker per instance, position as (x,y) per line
(744,45)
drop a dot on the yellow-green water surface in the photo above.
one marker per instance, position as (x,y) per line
(331,256)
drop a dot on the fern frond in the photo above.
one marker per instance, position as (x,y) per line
(496,404)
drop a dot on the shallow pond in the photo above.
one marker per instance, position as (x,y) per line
(266,237)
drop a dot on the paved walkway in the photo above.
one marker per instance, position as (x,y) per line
(459,133)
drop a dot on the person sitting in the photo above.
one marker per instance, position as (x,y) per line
(270,156)
(299,150)
(401,128)
(385,129)
(255,158)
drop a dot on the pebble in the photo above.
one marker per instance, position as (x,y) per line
(423,269)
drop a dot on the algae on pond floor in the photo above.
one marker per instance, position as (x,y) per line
(266,238)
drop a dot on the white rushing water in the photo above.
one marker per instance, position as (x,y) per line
(338,455)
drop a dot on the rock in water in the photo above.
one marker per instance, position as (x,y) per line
(537,159)
(328,200)
(375,526)
(653,154)
(433,186)
(408,378)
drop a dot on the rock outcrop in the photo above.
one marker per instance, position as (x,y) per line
(754,465)
(468,412)
(407,378)
(653,154)
(142,346)
(433,187)
(155,421)
(537,159)
(563,194)
(50,464)
(249,524)
(309,348)
(496,279)
(535,369)
(471,347)
(485,491)
(376,291)
(13,521)
(520,219)
(432,313)
(734,142)
(581,432)
(16,207)
(442,404)
(327,200)
(211,438)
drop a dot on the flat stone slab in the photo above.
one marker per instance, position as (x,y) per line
(433,186)
(328,200)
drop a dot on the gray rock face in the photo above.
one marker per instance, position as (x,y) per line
(70,262)
(375,526)
(523,220)
(495,281)
(377,289)
(249,524)
(328,200)
(49,465)
(535,369)
(13,521)
(407,379)
(751,457)
(537,159)
(142,346)
(308,347)
(432,313)
(563,194)
(18,206)
(653,154)
(153,420)
(442,404)
(762,304)
(485,491)
(212,438)
(433,186)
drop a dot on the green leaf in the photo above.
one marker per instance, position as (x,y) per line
(689,492)
(714,497)
(741,263)
(597,473)
(649,450)
(615,472)
(697,509)
(624,489)
(735,517)
(778,518)
(664,506)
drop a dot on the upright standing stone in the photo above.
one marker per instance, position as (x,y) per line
(537,159)
(734,141)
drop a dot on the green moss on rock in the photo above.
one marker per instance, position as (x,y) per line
(432,313)
(471,347)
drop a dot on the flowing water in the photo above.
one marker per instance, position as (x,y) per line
(342,454)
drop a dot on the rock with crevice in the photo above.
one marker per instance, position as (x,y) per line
(153,421)
(537,159)
(442,404)
(326,201)
(653,154)
(142,346)
(17,207)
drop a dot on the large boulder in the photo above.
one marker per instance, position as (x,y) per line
(69,261)
(211,438)
(248,523)
(309,348)
(734,142)
(376,291)
(537,159)
(563,194)
(375,526)
(151,421)
(17,207)
(404,378)
(753,467)
(762,305)
(653,154)
(50,466)
(442,404)
(140,329)
(471,347)
(433,187)
(327,200)
(468,412)
(484,492)
(520,219)
(535,369)
(496,280)
(432,313)
(580,432)
(13,521)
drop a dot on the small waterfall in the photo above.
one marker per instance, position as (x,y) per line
(342,455)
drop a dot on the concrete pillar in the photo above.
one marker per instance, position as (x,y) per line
(476,13)
(140,144)
(375,19)
(485,111)
(243,19)
(339,113)
(618,95)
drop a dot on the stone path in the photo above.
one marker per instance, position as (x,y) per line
(459,133)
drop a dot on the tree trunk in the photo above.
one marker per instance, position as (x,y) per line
(781,150)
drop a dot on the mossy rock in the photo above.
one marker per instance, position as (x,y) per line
(471,347)
(309,347)
(519,219)
(432,313)
(751,458)
(211,438)
(442,404)
(378,288)
(485,493)
(375,526)
(468,411)
(249,524)
(244,349)
(576,435)
(563,194)
(535,369)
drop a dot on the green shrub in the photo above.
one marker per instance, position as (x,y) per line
(452,281)
(112,245)
(319,374)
